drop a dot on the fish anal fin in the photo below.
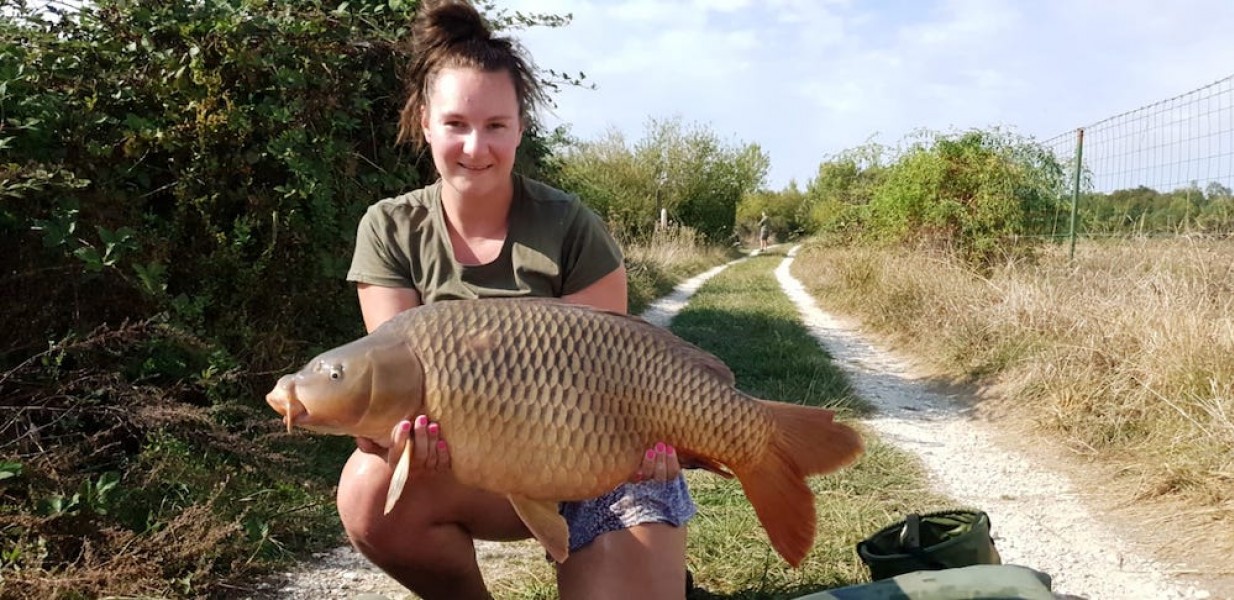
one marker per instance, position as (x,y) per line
(694,461)
(545,523)
(807,441)
(398,480)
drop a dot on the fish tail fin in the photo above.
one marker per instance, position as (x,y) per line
(807,441)
(812,439)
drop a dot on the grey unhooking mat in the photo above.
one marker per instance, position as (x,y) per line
(978,582)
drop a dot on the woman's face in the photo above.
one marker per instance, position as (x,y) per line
(472,125)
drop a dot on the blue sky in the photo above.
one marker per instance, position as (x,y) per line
(808,78)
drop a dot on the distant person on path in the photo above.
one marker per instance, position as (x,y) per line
(764,232)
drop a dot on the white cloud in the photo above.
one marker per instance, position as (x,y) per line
(720,5)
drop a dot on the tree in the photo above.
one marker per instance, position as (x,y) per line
(838,195)
(688,172)
(787,209)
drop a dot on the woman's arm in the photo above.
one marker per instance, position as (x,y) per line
(607,293)
(378,303)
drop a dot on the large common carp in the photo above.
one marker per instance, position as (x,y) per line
(544,401)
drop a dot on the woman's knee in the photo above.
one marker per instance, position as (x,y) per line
(361,500)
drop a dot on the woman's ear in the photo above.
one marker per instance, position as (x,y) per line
(424,123)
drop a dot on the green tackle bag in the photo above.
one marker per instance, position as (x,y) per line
(930,542)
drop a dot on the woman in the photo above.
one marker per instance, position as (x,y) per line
(482,231)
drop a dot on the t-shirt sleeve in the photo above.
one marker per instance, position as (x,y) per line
(376,259)
(589,252)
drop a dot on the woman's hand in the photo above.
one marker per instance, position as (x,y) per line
(429,452)
(659,464)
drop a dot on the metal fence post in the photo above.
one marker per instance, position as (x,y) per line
(1075,192)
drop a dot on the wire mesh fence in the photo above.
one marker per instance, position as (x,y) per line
(1163,169)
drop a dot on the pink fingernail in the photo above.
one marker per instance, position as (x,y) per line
(405,426)
(651,455)
(421,421)
(441,444)
(660,447)
(433,428)
(672,451)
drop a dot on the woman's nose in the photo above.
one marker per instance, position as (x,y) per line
(472,142)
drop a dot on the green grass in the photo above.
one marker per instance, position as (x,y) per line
(742,316)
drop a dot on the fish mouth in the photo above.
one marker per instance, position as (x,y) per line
(283,400)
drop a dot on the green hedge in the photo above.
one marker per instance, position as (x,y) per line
(203,161)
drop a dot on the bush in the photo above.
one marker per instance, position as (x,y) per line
(203,160)
(976,194)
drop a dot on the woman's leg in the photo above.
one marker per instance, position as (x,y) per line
(647,562)
(425,543)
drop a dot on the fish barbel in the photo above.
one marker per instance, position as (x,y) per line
(544,401)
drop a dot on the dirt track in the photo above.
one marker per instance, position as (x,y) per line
(1039,516)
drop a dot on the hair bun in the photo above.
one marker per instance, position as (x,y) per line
(453,34)
(449,23)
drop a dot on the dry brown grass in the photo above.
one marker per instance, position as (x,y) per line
(1127,355)
(671,255)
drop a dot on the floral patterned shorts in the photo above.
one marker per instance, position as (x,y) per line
(629,505)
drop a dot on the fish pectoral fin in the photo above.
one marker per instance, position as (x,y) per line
(398,480)
(694,461)
(549,527)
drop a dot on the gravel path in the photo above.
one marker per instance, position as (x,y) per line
(1037,514)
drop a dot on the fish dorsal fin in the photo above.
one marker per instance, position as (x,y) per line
(702,358)
(545,523)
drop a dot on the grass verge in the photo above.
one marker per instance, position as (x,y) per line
(742,316)
(1127,354)
(672,255)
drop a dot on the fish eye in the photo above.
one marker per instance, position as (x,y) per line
(336,372)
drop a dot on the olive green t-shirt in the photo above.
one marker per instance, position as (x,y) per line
(554,246)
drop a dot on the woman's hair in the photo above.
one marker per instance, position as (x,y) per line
(451,34)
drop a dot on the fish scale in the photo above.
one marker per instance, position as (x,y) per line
(650,392)
(544,401)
